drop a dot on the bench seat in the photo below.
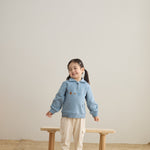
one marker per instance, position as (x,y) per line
(102,132)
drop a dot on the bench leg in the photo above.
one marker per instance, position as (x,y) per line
(51,141)
(102,142)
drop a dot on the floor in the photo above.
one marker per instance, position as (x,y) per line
(43,145)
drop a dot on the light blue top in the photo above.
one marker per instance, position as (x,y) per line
(71,98)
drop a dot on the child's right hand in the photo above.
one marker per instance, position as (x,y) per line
(96,119)
(49,114)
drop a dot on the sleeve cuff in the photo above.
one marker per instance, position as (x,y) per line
(95,114)
(52,111)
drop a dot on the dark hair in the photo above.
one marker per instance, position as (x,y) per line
(86,76)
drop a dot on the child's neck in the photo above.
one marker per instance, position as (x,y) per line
(78,79)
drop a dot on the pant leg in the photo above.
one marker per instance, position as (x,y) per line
(66,132)
(78,133)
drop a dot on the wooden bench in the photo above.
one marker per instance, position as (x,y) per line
(102,132)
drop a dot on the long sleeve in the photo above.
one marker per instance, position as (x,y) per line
(91,104)
(59,99)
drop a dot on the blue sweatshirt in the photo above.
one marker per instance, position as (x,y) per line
(71,98)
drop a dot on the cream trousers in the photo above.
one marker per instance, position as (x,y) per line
(72,127)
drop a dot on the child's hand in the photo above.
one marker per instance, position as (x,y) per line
(49,114)
(96,118)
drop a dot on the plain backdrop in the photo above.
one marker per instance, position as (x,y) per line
(39,37)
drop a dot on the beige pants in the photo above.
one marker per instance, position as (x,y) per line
(69,127)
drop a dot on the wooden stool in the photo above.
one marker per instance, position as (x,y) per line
(102,132)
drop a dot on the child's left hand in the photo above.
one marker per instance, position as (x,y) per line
(96,118)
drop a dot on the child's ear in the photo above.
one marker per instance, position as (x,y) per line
(82,69)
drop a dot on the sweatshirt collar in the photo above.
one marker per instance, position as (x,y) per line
(73,80)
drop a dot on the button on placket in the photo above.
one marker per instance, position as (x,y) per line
(78,87)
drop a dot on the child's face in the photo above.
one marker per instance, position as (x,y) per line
(75,71)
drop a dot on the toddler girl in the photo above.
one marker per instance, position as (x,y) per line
(71,98)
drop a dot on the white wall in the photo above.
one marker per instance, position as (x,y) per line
(38,38)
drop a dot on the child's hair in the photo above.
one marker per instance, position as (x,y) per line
(86,76)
